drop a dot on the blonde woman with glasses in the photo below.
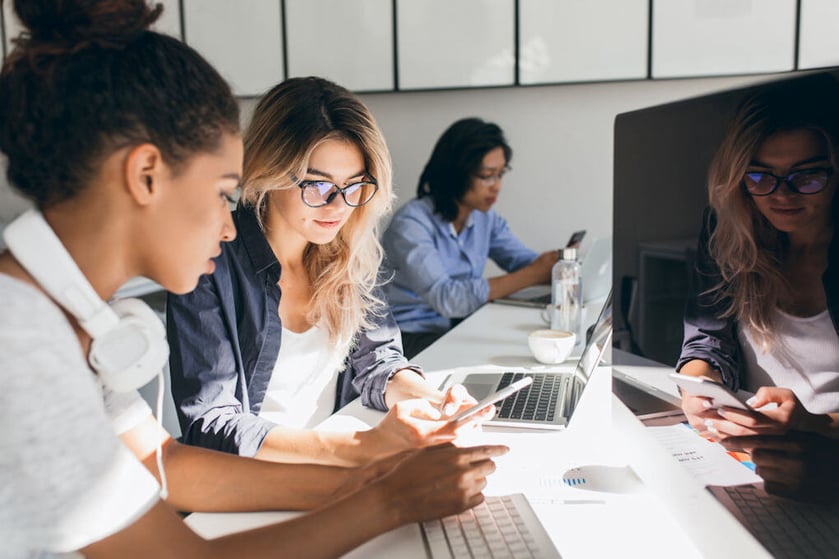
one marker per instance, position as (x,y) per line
(291,325)
(764,316)
(438,244)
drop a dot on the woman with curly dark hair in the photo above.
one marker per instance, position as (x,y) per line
(128,144)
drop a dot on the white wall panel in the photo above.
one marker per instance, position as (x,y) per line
(722,37)
(818,40)
(169,21)
(353,46)
(243,40)
(582,40)
(11,25)
(446,43)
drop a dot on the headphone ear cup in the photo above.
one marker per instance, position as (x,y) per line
(134,352)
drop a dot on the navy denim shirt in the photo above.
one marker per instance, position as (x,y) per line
(224,339)
(713,339)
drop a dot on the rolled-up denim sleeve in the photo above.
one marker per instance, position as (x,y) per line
(506,249)
(207,385)
(376,357)
(412,249)
(707,334)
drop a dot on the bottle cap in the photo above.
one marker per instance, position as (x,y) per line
(568,254)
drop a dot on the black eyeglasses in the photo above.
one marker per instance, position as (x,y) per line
(807,181)
(316,194)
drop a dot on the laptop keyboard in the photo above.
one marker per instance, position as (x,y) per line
(499,527)
(535,402)
(542,299)
(786,528)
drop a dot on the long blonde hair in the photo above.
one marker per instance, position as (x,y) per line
(745,245)
(289,123)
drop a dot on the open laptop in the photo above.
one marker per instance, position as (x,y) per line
(597,279)
(550,401)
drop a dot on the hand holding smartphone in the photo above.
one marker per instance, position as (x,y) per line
(719,394)
(490,400)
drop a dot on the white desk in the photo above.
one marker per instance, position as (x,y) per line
(668,515)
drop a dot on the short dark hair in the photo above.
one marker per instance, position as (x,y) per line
(88,78)
(455,158)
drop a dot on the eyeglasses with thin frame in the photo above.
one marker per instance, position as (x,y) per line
(319,193)
(491,180)
(806,181)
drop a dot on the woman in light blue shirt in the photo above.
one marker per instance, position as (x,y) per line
(438,244)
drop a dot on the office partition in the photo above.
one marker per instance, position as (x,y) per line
(661,159)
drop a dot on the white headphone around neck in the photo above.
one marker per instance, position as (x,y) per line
(129,341)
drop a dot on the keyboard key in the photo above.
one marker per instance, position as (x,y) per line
(500,527)
(785,528)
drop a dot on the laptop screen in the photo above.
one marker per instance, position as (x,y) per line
(598,337)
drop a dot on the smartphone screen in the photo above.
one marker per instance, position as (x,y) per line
(491,399)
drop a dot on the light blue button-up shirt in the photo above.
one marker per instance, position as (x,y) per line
(438,274)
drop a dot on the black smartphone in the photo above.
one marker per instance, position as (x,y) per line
(576,239)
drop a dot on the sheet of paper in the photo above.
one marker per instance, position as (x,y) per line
(706,460)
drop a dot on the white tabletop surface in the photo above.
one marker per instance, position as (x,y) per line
(668,514)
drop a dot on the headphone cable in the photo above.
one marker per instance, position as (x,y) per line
(164,492)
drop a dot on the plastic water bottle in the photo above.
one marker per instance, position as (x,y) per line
(567,294)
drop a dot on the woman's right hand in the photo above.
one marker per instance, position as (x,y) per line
(699,412)
(698,409)
(408,424)
(437,481)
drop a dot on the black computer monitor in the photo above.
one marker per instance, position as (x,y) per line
(661,159)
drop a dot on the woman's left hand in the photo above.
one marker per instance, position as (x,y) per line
(776,411)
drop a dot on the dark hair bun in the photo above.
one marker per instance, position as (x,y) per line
(76,22)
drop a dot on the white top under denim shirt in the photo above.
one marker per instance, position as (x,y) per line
(438,273)
(303,386)
(804,358)
(66,480)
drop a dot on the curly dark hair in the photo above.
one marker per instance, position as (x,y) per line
(86,78)
(457,156)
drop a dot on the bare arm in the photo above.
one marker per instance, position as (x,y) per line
(286,444)
(538,271)
(399,497)
(414,419)
(700,368)
(208,480)
(162,534)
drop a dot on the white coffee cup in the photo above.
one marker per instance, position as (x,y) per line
(551,346)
